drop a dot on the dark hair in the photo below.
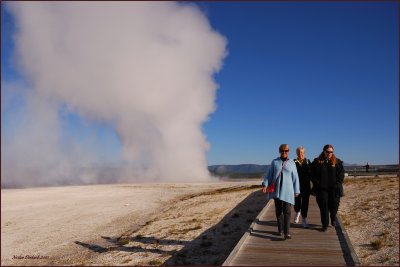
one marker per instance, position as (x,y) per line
(283,146)
(322,156)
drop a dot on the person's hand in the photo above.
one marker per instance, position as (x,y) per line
(264,189)
(296,195)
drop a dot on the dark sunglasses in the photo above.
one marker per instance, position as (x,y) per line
(284,151)
(329,152)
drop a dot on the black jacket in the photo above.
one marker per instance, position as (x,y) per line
(328,177)
(304,172)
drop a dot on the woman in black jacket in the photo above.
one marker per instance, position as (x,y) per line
(301,202)
(327,177)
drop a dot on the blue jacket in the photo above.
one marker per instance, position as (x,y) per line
(290,180)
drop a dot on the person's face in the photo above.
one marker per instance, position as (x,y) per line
(284,152)
(328,152)
(300,154)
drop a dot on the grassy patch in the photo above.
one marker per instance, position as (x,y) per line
(123,241)
(155,262)
(377,244)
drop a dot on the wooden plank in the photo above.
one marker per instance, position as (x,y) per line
(261,246)
(232,255)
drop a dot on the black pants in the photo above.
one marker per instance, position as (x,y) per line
(301,203)
(282,211)
(328,204)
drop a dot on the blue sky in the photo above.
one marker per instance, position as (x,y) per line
(301,73)
(306,74)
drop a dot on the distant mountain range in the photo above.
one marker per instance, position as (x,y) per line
(241,168)
(256,170)
(239,171)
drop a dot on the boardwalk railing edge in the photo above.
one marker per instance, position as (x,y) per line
(246,234)
(352,252)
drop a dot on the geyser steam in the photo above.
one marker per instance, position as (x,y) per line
(143,67)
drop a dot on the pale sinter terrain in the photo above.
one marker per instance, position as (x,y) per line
(177,224)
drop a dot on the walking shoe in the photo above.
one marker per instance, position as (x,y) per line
(297,217)
(304,222)
(288,236)
(280,233)
(324,228)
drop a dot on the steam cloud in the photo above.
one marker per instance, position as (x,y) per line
(145,68)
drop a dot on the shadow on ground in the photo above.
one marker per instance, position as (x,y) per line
(213,246)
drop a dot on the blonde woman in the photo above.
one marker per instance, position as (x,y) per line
(301,202)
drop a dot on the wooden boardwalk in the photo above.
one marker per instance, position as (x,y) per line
(261,246)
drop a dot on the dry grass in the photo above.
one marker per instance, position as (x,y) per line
(370,213)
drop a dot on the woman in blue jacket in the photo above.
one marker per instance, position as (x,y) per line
(283,175)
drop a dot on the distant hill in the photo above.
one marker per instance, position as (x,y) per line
(349,164)
(390,168)
(256,170)
(239,171)
(242,168)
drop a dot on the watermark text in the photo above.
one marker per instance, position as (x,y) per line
(30,257)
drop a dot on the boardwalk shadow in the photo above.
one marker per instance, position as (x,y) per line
(213,246)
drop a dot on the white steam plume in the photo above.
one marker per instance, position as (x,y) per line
(143,67)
